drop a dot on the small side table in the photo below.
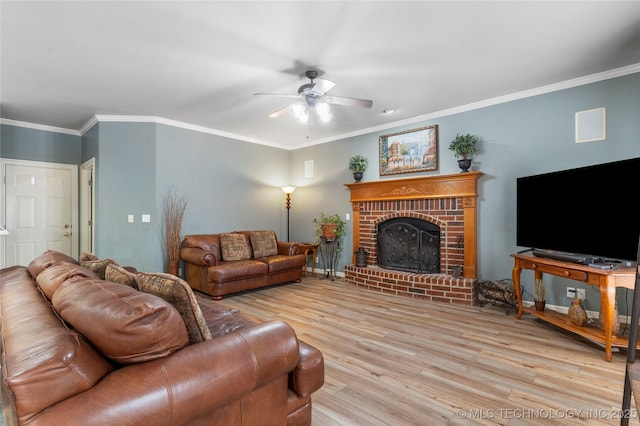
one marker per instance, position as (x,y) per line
(329,255)
(307,249)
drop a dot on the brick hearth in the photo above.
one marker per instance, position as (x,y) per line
(448,201)
(432,287)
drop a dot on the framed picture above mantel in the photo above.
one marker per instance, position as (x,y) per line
(409,151)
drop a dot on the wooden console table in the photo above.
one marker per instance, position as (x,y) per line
(606,279)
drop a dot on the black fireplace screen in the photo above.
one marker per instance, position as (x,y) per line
(409,244)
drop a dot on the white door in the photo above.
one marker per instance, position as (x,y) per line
(39,210)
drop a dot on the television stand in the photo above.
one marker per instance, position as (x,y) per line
(606,279)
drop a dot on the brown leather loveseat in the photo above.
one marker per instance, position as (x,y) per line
(221,264)
(97,344)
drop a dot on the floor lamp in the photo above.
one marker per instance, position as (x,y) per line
(288,190)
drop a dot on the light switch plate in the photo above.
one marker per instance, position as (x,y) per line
(146,218)
(130,218)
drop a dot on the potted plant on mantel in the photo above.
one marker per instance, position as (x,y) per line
(463,147)
(358,164)
(539,299)
(329,227)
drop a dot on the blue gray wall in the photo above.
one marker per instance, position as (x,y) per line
(19,143)
(235,185)
(519,138)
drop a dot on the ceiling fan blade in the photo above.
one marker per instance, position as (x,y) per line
(277,95)
(279,112)
(322,86)
(364,103)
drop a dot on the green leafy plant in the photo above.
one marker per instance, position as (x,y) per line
(333,219)
(358,164)
(463,145)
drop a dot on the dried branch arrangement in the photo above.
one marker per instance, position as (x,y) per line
(539,291)
(174,208)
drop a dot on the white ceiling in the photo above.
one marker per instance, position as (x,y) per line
(200,63)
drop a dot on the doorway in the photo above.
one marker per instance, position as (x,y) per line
(87,205)
(39,210)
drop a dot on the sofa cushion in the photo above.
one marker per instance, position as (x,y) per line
(179,294)
(237,270)
(98,266)
(282,263)
(51,278)
(207,242)
(264,243)
(234,247)
(117,274)
(124,324)
(44,362)
(47,259)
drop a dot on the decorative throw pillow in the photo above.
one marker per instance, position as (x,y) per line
(263,243)
(117,274)
(177,292)
(234,247)
(98,266)
(86,256)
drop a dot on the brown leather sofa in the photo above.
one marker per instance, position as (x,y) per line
(226,263)
(142,349)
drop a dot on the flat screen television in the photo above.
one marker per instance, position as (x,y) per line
(588,212)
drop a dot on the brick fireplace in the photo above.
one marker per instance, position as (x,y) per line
(447,201)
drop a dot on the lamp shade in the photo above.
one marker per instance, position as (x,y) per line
(288,189)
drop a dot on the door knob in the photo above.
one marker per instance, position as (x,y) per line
(66,234)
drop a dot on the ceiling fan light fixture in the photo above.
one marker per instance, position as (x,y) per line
(301,112)
(324,111)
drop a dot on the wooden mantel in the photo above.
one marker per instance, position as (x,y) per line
(460,185)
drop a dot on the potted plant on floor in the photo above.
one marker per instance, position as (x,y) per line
(539,299)
(358,164)
(329,227)
(463,147)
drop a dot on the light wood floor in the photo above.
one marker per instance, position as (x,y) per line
(391,360)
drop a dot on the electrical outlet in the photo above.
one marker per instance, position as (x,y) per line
(571,292)
(581,293)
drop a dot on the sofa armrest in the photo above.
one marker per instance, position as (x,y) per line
(308,375)
(187,385)
(197,256)
(288,249)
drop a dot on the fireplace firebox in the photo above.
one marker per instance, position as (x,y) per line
(409,244)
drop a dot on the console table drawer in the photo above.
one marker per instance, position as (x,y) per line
(561,272)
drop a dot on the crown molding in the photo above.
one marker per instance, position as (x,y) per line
(568,84)
(173,123)
(35,126)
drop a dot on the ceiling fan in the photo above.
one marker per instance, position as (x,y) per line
(314,96)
